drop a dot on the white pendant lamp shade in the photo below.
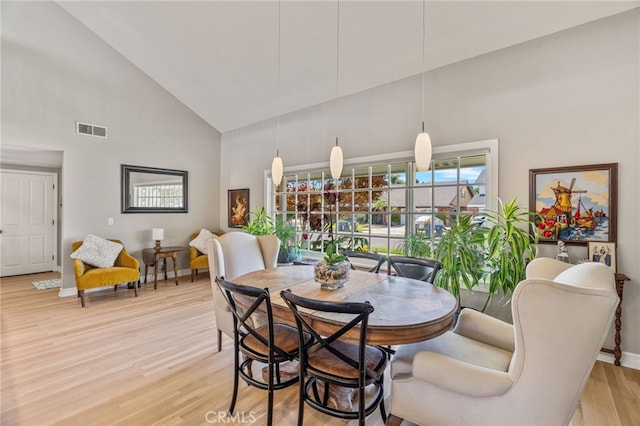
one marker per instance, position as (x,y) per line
(336,161)
(423,152)
(276,170)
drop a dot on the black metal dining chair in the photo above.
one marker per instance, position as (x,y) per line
(258,338)
(375,257)
(329,365)
(415,267)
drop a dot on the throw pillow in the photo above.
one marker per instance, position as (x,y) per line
(96,251)
(200,242)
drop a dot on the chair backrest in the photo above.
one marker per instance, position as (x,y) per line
(255,311)
(123,253)
(238,253)
(356,327)
(234,254)
(377,259)
(560,325)
(415,267)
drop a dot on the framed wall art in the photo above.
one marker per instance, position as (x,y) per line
(576,204)
(238,210)
(603,253)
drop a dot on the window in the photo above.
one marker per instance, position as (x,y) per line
(158,195)
(381,202)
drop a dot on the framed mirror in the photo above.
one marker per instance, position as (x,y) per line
(153,190)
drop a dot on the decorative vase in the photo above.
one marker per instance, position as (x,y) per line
(332,277)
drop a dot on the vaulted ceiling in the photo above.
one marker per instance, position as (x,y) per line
(220,58)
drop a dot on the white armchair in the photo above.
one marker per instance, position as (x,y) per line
(486,371)
(231,255)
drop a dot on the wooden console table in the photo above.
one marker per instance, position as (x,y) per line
(616,351)
(152,256)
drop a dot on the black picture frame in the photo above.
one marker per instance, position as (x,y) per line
(238,208)
(561,216)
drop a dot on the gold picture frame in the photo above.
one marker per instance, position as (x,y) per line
(238,208)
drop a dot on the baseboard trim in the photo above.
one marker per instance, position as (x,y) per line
(73,291)
(629,359)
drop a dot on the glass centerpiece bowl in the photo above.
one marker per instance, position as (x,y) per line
(333,271)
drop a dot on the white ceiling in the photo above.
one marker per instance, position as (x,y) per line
(220,58)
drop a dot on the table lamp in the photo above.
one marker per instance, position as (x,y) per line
(158,235)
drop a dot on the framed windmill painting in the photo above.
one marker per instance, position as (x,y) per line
(576,204)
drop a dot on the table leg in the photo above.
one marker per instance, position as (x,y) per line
(175,267)
(165,268)
(155,275)
(617,352)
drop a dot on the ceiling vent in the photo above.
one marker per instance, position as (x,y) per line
(91,130)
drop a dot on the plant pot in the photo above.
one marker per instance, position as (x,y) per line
(287,256)
(332,277)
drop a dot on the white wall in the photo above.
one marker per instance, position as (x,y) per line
(571,98)
(56,72)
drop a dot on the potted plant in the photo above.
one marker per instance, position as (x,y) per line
(287,236)
(495,250)
(507,247)
(333,271)
(460,252)
(261,224)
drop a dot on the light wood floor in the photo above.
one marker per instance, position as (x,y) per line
(152,360)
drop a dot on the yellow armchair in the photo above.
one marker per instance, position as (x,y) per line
(125,269)
(197,259)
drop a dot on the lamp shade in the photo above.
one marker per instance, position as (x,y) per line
(157,234)
(423,152)
(276,170)
(335,162)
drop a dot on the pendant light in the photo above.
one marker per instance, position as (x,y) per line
(336,159)
(423,141)
(277,168)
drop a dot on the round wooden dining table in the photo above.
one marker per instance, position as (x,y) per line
(405,310)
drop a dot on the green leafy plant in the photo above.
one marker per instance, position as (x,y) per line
(507,245)
(460,252)
(287,236)
(331,255)
(418,245)
(261,224)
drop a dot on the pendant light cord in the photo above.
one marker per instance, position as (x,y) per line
(338,51)
(337,61)
(278,89)
(422,70)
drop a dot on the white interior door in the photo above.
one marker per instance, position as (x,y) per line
(27,217)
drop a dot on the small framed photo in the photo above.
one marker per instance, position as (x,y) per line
(238,210)
(603,253)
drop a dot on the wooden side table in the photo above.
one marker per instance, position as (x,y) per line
(616,351)
(151,257)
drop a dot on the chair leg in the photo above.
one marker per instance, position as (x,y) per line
(192,274)
(270,398)
(219,340)
(135,287)
(383,412)
(301,399)
(81,295)
(115,287)
(236,375)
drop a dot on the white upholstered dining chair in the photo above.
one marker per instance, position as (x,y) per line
(231,255)
(486,371)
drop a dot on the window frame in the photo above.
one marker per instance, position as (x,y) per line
(489,148)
